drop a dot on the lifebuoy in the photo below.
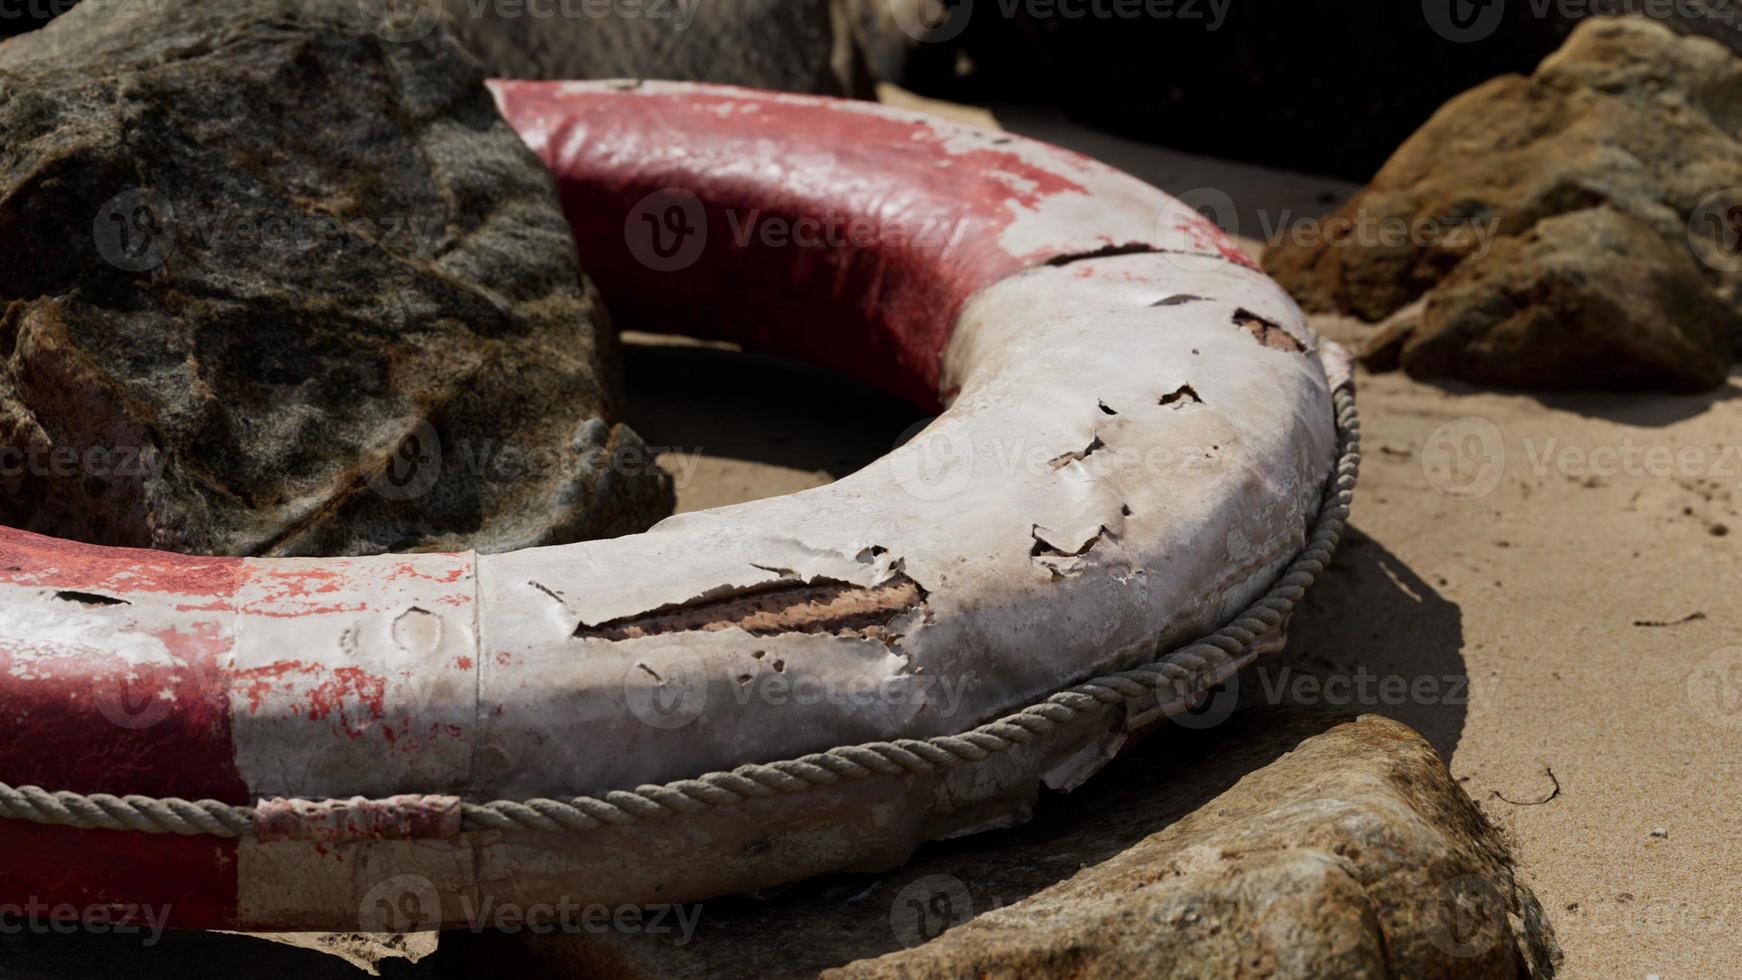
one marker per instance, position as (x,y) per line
(1145,458)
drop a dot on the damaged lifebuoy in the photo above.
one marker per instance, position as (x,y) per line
(1145,458)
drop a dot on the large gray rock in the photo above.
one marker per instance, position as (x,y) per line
(1268,846)
(282,282)
(1629,127)
(786,45)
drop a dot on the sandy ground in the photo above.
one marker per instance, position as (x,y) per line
(1550,580)
(1587,609)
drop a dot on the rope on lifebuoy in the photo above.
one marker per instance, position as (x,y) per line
(1182,670)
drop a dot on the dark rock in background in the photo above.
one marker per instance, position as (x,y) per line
(1592,218)
(18,18)
(284,283)
(788,45)
(1316,86)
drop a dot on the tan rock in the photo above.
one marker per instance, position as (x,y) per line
(1627,116)
(1589,299)
(1354,855)
(1263,846)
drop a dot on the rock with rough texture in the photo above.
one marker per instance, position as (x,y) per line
(1591,299)
(1629,132)
(283,282)
(785,45)
(1267,846)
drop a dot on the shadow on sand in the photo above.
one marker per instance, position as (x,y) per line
(1643,409)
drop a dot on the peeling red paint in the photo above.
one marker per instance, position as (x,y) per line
(33,559)
(317,691)
(454,573)
(1208,236)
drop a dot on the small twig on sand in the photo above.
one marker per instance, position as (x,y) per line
(1693,617)
(1551,778)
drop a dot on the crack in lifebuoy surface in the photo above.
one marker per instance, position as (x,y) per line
(820,606)
(1267,333)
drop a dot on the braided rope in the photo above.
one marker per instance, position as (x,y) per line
(1182,671)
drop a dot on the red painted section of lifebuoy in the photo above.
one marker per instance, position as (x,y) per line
(843,239)
(183,882)
(77,716)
